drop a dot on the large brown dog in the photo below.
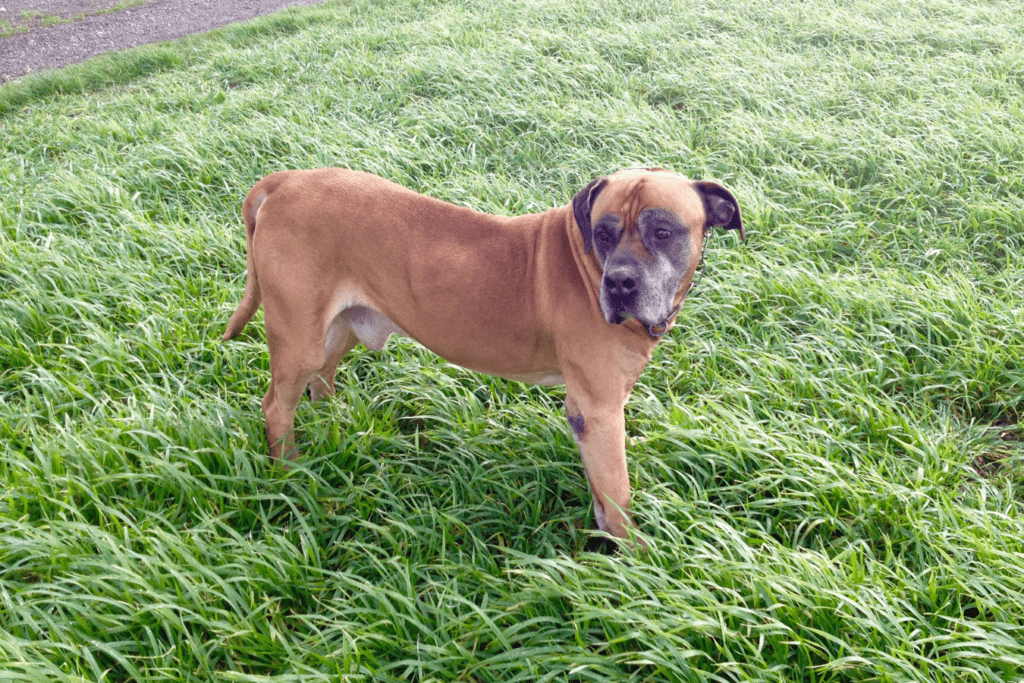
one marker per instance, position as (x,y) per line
(577,295)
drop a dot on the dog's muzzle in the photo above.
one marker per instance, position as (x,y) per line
(626,293)
(620,287)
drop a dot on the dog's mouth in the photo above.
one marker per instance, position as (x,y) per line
(619,309)
(642,305)
(619,317)
(656,329)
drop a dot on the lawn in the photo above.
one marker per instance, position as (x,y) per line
(826,453)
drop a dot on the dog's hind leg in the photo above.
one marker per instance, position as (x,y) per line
(293,362)
(340,340)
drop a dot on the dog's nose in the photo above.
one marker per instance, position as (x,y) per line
(620,280)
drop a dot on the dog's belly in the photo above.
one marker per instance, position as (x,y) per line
(545,378)
(372,328)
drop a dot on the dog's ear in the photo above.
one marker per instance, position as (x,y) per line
(720,206)
(582,204)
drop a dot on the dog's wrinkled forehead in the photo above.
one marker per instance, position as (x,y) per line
(631,191)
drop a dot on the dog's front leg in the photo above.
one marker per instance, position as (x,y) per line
(599,426)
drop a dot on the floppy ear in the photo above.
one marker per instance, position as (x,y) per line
(582,204)
(720,206)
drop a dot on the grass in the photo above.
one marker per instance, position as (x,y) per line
(826,449)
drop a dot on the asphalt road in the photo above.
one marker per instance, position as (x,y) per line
(50,34)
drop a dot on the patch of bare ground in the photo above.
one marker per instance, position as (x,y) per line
(993,463)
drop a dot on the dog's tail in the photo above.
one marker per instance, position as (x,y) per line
(251,298)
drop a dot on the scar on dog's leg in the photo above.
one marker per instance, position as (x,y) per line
(575,418)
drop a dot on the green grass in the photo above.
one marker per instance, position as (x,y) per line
(826,450)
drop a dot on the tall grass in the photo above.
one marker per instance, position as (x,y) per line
(826,450)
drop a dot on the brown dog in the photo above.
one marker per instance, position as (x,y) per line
(578,294)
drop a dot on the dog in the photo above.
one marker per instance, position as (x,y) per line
(576,295)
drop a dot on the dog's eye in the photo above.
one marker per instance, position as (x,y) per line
(603,237)
(662,234)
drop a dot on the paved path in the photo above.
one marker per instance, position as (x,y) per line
(63,32)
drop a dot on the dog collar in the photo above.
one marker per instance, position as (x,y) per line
(663,325)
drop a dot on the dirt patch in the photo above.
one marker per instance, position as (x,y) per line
(992,463)
(50,34)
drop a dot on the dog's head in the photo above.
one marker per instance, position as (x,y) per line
(647,228)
